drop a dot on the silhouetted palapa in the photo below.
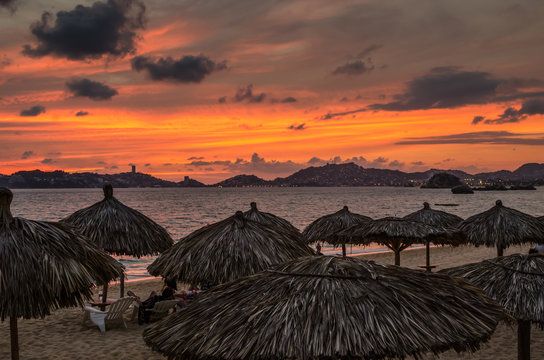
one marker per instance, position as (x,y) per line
(329,308)
(227,250)
(119,229)
(395,233)
(326,228)
(437,218)
(502,227)
(269,219)
(45,266)
(517,283)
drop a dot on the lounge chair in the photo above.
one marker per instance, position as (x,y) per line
(113,315)
(158,311)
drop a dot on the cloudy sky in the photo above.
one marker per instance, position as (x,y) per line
(211,89)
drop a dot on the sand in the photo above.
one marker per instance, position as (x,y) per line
(61,335)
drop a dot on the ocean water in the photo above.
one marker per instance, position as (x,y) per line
(183,210)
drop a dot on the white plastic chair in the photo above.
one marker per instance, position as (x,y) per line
(113,315)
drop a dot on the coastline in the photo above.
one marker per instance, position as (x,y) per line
(61,336)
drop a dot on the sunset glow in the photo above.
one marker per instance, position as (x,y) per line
(214,89)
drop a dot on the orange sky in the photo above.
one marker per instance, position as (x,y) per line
(390,86)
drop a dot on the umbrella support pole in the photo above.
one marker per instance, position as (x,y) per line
(14,335)
(104,296)
(524,340)
(397,257)
(344,251)
(428,256)
(499,251)
(122,285)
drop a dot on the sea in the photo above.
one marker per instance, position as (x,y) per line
(183,210)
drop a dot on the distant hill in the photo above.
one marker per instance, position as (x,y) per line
(442,181)
(349,174)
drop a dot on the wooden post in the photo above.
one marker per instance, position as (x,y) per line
(397,257)
(14,338)
(524,340)
(344,251)
(104,296)
(428,256)
(122,285)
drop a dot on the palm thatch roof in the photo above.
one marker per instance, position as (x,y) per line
(269,219)
(227,250)
(434,217)
(119,229)
(502,227)
(515,281)
(393,229)
(46,265)
(329,308)
(326,227)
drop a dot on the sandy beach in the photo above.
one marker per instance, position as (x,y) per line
(61,335)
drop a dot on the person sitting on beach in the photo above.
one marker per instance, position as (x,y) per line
(167,293)
(186,297)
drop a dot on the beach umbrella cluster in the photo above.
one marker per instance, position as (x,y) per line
(326,228)
(329,308)
(45,266)
(227,250)
(517,283)
(119,229)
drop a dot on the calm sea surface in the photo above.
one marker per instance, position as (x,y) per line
(182,211)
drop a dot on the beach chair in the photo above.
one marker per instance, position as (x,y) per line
(114,315)
(159,310)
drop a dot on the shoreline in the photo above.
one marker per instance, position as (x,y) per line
(61,335)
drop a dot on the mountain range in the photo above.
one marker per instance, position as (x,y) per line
(348,174)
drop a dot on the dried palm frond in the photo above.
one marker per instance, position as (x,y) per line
(46,265)
(227,250)
(326,227)
(395,233)
(502,227)
(516,282)
(119,229)
(437,218)
(329,308)
(268,218)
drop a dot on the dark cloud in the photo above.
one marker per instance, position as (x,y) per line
(103,29)
(91,89)
(512,115)
(167,164)
(344,99)
(222,100)
(329,116)
(47,161)
(33,111)
(27,154)
(297,127)
(8,4)
(482,137)
(188,69)
(451,87)
(4,61)
(101,163)
(82,113)
(196,158)
(288,99)
(246,93)
(147,165)
(367,51)
(114,167)
(417,163)
(357,67)
(396,164)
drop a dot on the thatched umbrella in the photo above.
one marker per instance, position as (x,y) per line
(517,283)
(119,229)
(502,227)
(395,233)
(436,218)
(326,227)
(45,266)
(227,250)
(269,219)
(324,307)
